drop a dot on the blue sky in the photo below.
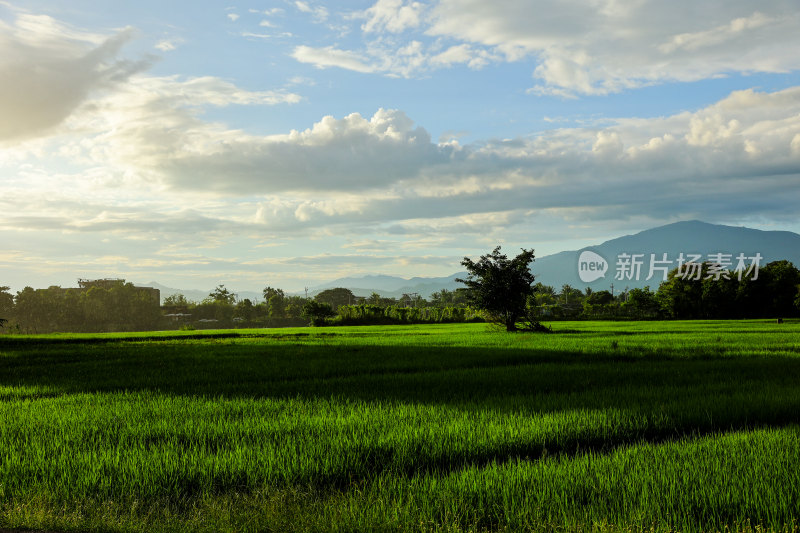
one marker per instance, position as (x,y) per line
(287,143)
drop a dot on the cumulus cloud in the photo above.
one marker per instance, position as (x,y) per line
(384,176)
(608,46)
(577,48)
(49,70)
(739,156)
(351,153)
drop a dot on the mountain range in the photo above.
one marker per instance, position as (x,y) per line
(689,237)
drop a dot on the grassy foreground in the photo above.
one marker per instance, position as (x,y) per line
(625,426)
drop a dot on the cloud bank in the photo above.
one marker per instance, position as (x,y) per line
(575,48)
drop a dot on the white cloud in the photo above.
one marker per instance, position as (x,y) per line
(579,48)
(382,177)
(49,70)
(167,45)
(233,17)
(319,13)
(607,46)
(716,36)
(393,16)
(408,60)
(208,90)
(740,155)
(331,57)
(352,153)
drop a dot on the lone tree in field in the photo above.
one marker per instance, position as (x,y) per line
(501,287)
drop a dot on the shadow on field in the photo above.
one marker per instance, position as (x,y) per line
(760,390)
(668,394)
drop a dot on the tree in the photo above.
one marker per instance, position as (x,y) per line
(245,309)
(642,302)
(269,292)
(294,306)
(317,312)
(277,305)
(781,279)
(221,294)
(336,297)
(6,305)
(570,296)
(501,286)
(599,298)
(176,300)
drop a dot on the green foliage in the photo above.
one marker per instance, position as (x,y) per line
(176,300)
(6,306)
(223,295)
(336,297)
(365,314)
(269,292)
(641,303)
(771,294)
(318,312)
(245,310)
(599,298)
(500,286)
(115,307)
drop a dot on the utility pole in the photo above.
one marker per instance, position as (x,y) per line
(306,293)
(415,297)
(612,290)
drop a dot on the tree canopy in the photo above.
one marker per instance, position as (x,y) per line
(336,297)
(501,287)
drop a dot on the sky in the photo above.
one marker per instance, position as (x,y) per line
(288,143)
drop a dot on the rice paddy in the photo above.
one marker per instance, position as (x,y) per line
(600,426)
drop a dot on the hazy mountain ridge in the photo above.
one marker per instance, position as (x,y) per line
(557,269)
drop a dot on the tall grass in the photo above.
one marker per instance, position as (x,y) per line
(673,426)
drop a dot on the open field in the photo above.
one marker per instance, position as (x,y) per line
(615,426)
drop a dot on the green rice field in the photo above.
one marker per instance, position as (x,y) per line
(599,426)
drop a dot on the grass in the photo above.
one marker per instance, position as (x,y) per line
(623,426)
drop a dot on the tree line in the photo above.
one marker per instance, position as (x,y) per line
(771,292)
(108,306)
(113,305)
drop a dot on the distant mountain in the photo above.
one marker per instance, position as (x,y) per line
(196,295)
(690,237)
(392,286)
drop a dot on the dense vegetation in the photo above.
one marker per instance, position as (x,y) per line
(689,426)
(772,292)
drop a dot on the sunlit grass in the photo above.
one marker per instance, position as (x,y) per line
(612,426)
